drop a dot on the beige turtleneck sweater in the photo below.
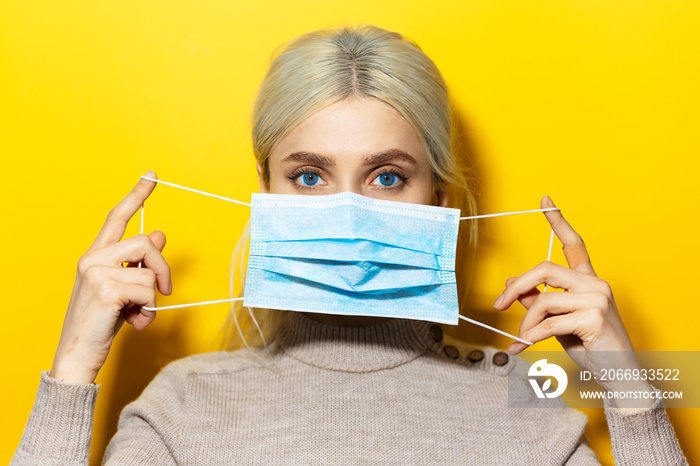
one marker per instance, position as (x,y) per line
(394,393)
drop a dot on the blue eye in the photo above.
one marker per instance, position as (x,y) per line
(387,179)
(310,179)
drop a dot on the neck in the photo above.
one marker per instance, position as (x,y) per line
(366,347)
(345,321)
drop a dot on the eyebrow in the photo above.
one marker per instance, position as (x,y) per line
(374,159)
(388,155)
(308,157)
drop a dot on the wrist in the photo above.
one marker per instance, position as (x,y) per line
(72,372)
(634,399)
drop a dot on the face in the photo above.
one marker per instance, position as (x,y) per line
(360,145)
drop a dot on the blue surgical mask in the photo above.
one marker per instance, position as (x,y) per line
(349,254)
(352,255)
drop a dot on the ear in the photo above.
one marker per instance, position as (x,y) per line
(440,197)
(263,185)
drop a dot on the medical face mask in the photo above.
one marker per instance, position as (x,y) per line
(352,255)
(348,254)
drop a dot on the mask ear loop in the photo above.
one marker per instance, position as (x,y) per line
(197,191)
(141,229)
(232,299)
(493,329)
(203,303)
(549,252)
(242,245)
(549,256)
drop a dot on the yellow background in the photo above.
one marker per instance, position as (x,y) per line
(592,102)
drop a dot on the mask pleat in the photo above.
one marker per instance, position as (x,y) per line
(350,251)
(352,255)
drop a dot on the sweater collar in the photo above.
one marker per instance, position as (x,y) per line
(353,349)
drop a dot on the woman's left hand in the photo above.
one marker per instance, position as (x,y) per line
(584,318)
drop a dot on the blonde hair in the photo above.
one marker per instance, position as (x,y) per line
(318,69)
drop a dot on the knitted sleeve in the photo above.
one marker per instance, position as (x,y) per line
(59,429)
(643,437)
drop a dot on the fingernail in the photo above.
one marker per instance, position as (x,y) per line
(548,201)
(498,302)
(150,174)
(511,349)
(170,289)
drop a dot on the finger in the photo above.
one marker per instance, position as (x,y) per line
(142,248)
(121,294)
(130,313)
(136,316)
(574,249)
(143,319)
(547,272)
(158,238)
(528,298)
(582,325)
(139,318)
(115,225)
(131,275)
(137,294)
(548,304)
(559,325)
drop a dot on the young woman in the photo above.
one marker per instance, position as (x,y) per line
(360,110)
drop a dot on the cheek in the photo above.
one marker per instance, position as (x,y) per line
(423,189)
(278,187)
(426,197)
(420,192)
(276,183)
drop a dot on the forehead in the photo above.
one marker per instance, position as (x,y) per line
(351,127)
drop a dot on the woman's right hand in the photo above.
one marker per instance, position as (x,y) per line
(106,293)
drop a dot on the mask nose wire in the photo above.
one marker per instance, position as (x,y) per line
(227,199)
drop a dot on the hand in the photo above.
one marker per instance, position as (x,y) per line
(105,293)
(584,318)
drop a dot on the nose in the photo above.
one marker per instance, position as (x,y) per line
(346,182)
